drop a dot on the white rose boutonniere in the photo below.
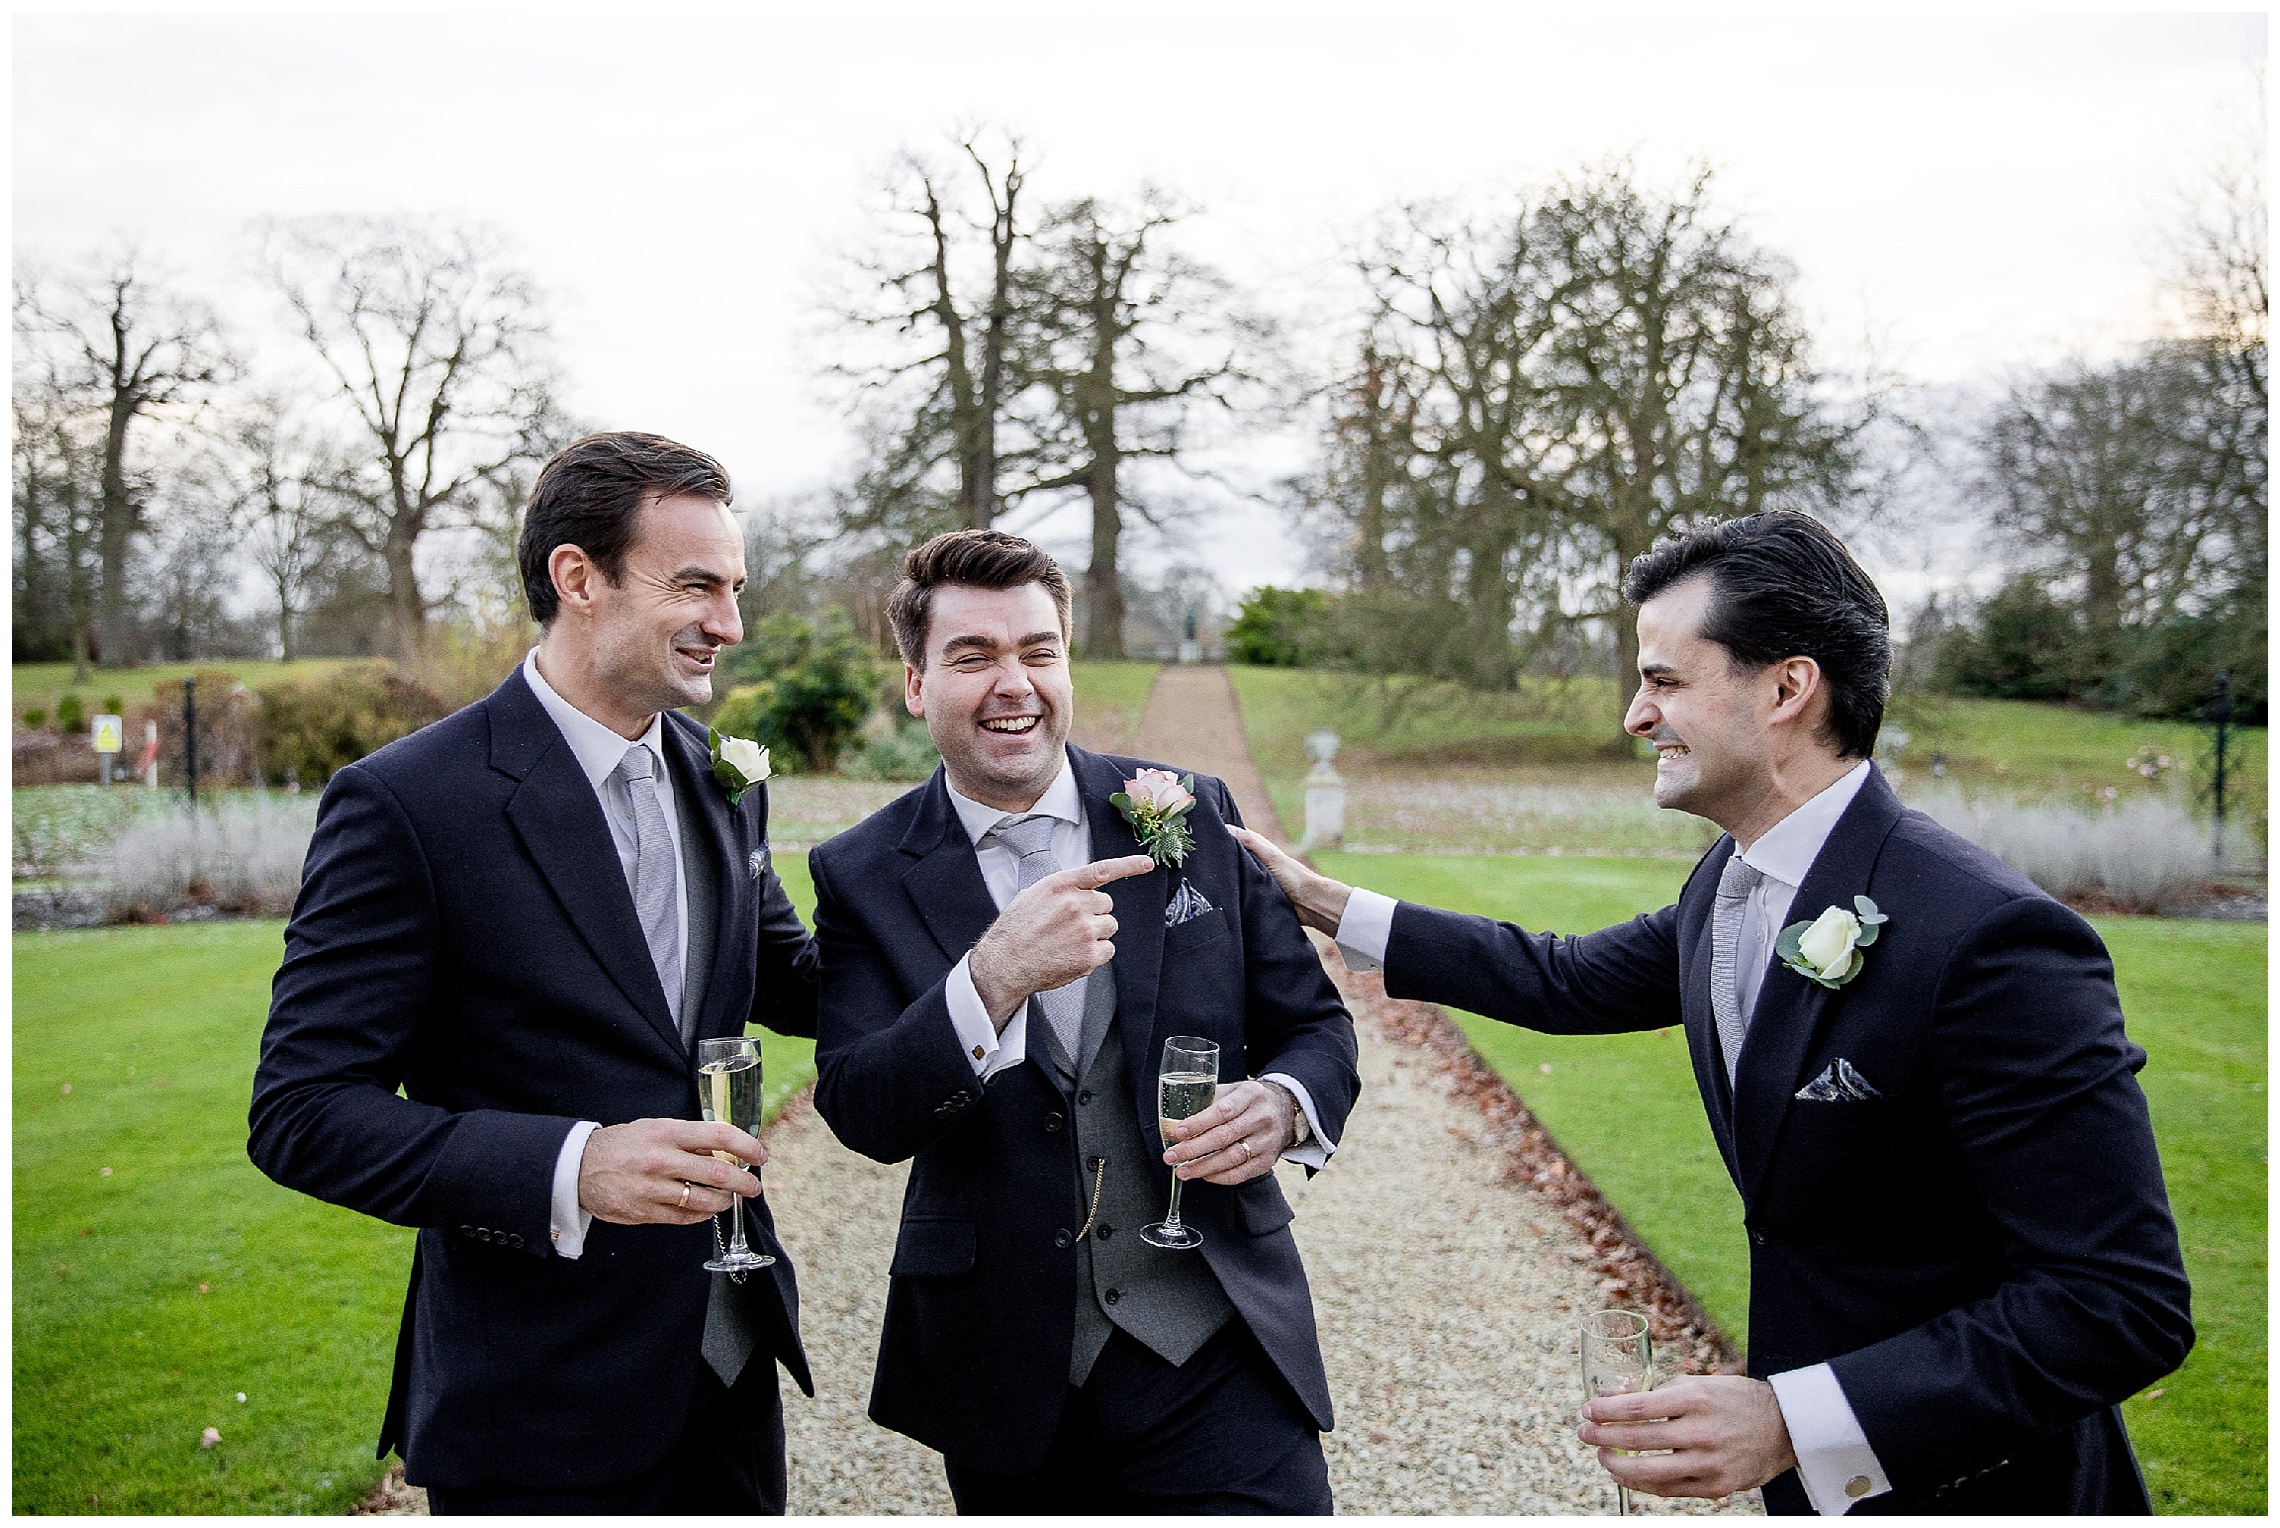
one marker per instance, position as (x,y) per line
(738,764)
(1828,949)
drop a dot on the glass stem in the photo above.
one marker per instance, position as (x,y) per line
(1172,1216)
(736,1247)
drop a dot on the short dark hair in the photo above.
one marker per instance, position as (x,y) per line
(979,559)
(1783,586)
(589,495)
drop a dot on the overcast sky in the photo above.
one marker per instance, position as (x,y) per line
(1974,193)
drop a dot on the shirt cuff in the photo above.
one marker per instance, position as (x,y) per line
(1834,1461)
(1315,1150)
(987,1051)
(568,1219)
(1364,929)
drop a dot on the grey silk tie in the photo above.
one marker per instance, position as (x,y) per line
(1735,884)
(654,894)
(1031,840)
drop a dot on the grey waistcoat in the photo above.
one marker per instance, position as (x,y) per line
(1169,1301)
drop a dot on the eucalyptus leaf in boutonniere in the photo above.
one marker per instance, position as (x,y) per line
(1156,802)
(1829,949)
(738,764)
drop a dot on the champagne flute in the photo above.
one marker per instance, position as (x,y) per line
(728,1086)
(1618,1359)
(1186,1084)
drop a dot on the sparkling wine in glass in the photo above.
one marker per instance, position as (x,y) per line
(1618,1359)
(728,1086)
(1186,1084)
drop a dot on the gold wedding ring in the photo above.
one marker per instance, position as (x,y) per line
(1246,1145)
(684,1204)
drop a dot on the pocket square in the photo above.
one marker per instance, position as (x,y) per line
(1186,903)
(1840,1082)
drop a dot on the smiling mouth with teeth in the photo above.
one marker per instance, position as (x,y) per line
(1009,724)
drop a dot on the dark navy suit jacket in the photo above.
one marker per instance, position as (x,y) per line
(981,1301)
(1983,1253)
(464,932)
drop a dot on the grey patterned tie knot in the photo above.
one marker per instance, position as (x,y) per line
(1735,884)
(655,895)
(1031,840)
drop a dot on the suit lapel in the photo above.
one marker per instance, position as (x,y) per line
(701,801)
(556,814)
(945,885)
(1791,1010)
(1695,905)
(1138,901)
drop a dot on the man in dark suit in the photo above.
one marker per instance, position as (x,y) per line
(513,928)
(1961,1253)
(995,1016)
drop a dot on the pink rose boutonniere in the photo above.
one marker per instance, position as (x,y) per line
(1156,802)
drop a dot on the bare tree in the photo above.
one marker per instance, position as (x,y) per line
(1685,370)
(945,296)
(285,505)
(1545,392)
(126,347)
(434,341)
(1135,336)
(57,518)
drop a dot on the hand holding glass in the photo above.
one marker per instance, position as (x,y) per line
(728,1086)
(1186,1084)
(1618,1359)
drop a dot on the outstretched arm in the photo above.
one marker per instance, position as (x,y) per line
(1614,981)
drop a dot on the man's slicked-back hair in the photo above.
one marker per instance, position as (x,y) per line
(1783,586)
(978,559)
(589,495)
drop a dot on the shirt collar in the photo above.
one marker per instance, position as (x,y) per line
(1060,800)
(1787,850)
(599,750)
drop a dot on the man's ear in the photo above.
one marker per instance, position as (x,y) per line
(1796,688)
(574,575)
(914,699)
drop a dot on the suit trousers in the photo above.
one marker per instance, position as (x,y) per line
(1220,1434)
(730,1459)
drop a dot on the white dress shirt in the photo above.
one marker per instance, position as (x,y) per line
(599,750)
(989,1052)
(1834,1460)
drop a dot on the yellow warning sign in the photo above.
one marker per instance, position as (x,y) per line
(110,734)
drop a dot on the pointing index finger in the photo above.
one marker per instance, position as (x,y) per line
(1100,872)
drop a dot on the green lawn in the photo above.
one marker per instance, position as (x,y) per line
(1557,732)
(41,685)
(1625,1107)
(147,1298)
(1110,698)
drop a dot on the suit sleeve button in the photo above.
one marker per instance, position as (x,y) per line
(515,1241)
(1062,1238)
(466,1230)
